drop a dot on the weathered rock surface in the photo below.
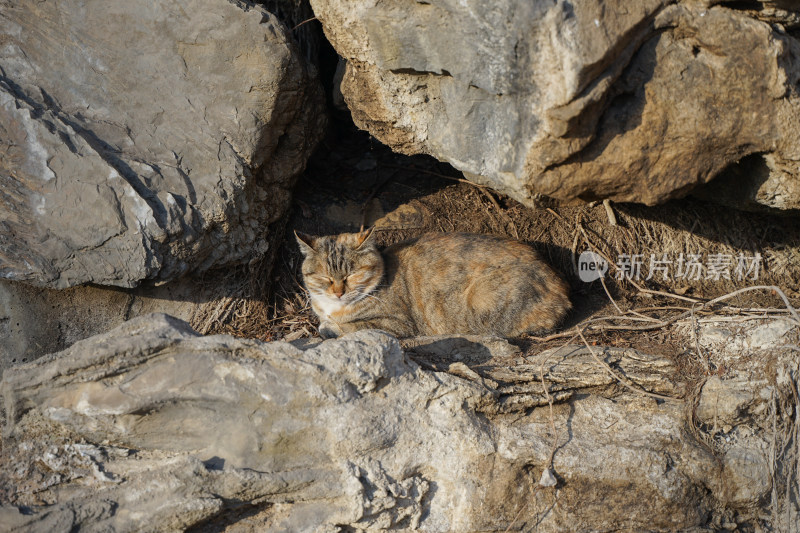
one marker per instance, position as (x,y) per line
(35,321)
(143,140)
(638,101)
(756,183)
(154,426)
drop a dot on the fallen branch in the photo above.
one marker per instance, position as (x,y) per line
(621,379)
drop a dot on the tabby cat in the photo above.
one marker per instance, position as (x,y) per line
(437,283)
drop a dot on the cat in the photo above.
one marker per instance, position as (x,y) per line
(437,283)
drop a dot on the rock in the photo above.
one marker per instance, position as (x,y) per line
(755,183)
(146,140)
(749,473)
(153,422)
(578,100)
(35,321)
(733,401)
(727,346)
(739,411)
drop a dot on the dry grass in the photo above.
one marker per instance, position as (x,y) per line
(252,308)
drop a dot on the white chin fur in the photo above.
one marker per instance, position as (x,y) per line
(327,305)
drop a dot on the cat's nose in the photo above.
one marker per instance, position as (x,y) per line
(338,292)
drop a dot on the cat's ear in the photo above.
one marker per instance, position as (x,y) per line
(364,237)
(305,241)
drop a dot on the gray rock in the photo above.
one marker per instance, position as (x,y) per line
(733,401)
(152,424)
(583,100)
(742,411)
(35,321)
(145,140)
(729,346)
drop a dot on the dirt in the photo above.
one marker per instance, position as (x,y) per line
(353,180)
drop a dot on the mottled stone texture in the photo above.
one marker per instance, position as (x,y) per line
(632,101)
(152,426)
(141,140)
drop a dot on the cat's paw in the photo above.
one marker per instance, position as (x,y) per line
(329,330)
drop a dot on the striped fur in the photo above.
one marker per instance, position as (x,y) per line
(435,284)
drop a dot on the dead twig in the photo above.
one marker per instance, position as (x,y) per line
(527,503)
(579,225)
(304,22)
(612,219)
(553,212)
(661,308)
(794,463)
(603,283)
(550,402)
(696,335)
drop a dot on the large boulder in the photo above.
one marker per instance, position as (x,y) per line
(152,426)
(145,139)
(633,101)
